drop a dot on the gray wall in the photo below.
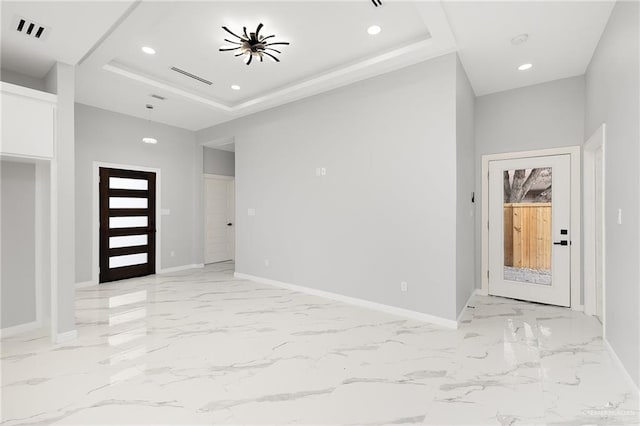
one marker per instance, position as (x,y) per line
(547,115)
(22,80)
(109,137)
(17,264)
(384,212)
(219,162)
(465,184)
(612,97)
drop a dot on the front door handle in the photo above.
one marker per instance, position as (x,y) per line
(561,243)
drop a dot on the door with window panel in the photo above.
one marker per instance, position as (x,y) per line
(127,224)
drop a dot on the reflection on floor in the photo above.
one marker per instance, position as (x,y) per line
(202,347)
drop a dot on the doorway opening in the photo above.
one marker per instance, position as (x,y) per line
(219,219)
(594,230)
(531,241)
(125,204)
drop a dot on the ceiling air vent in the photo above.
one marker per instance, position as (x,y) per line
(195,77)
(161,98)
(31,28)
(377,3)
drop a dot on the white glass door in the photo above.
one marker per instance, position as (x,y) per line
(529,229)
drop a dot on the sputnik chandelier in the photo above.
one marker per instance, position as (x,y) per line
(252,45)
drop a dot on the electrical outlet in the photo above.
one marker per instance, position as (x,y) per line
(251,212)
(619,216)
(173,253)
(266,263)
(318,171)
(323,171)
(403,286)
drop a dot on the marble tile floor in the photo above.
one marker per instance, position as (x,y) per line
(201,347)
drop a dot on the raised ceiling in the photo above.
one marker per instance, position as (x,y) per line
(562,38)
(329,48)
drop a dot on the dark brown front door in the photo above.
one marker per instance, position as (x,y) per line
(127,224)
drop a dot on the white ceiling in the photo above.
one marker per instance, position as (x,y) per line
(75,27)
(562,38)
(329,48)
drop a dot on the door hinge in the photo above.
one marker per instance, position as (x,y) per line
(487,274)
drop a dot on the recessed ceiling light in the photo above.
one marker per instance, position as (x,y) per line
(524,67)
(374,29)
(235,87)
(149,50)
(150,140)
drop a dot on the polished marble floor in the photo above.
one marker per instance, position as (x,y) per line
(200,347)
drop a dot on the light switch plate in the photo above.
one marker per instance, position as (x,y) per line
(251,212)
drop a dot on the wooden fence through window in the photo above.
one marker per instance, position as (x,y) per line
(527,235)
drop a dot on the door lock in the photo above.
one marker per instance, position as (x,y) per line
(561,243)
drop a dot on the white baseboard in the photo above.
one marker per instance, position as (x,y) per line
(66,336)
(181,268)
(19,329)
(578,308)
(635,386)
(405,313)
(86,284)
(473,293)
(482,292)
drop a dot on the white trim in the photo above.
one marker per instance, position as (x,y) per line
(95,218)
(39,230)
(217,143)
(595,142)
(53,182)
(616,360)
(220,177)
(405,313)
(466,305)
(181,268)
(66,336)
(19,329)
(14,89)
(576,204)
(86,284)
(482,292)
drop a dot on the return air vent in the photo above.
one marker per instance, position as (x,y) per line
(31,28)
(195,77)
(377,3)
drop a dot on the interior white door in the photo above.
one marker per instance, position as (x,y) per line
(530,229)
(219,216)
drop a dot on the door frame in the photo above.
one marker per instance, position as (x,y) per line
(95,218)
(575,215)
(206,176)
(596,141)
